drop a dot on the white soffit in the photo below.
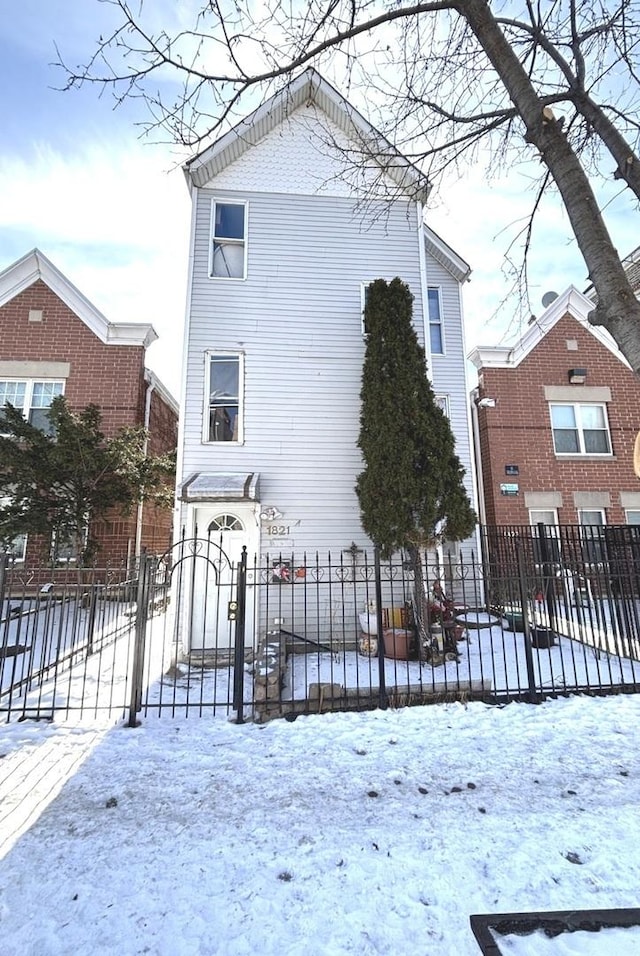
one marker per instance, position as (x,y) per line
(445,255)
(571,302)
(35,265)
(308,87)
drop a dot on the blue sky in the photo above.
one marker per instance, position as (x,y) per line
(112,211)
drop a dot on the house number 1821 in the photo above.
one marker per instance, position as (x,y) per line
(279,530)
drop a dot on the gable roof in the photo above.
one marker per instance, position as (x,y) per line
(445,255)
(35,265)
(307,88)
(571,302)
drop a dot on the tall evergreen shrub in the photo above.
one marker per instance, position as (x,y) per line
(411,489)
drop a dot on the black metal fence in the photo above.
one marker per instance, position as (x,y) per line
(539,612)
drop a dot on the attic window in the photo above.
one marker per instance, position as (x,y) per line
(229,247)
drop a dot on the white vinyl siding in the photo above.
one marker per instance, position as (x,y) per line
(297,317)
(298,320)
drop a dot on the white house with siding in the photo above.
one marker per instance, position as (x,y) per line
(295,211)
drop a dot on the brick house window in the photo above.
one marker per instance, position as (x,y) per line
(550,551)
(32,398)
(15,548)
(592,523)
(580,429)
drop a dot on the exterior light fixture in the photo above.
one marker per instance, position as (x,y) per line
(577,376)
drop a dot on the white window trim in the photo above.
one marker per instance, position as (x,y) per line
(629,511)
(582,453)
(29,383)
(553,511)
(226,353)
(552,528)
(363,301)
(443,402)
(15,559)
(438,289)
(600,511)
(245,241)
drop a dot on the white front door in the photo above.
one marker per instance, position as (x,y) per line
(221,533)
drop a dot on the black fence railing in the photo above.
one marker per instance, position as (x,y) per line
(539,612)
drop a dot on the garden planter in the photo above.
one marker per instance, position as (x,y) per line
(542,637)
(397,644)
(515,620)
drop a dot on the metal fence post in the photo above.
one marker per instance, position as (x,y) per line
(4,561)
(383,701)
(238,651)
(547,575)
(142,614)
(533,696)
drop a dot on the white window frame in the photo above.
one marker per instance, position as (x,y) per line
(440,322)
(364,288)
(9,546)
(597,543)
(210,354)
(233,241)
(442,401)
(27,406)
(632,511)
(551,525)
(577,406)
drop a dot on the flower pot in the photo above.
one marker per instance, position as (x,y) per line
(542,637)
(397,644)
(515,620)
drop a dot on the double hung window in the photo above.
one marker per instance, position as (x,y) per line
(224,385)
(436,335)
(546,545)
(580,429)
(229,240)
(592,533)
(32,398)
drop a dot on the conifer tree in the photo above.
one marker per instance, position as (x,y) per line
(411,490)
(58,482)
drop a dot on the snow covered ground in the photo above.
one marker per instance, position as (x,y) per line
(374,833)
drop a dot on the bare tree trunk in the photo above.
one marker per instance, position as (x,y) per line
(617,309)
(628,167)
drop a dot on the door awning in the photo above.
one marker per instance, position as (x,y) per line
(219,486)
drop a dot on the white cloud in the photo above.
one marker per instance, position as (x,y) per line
(115,221)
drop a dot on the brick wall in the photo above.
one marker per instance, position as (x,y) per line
(111,376)
(518,430)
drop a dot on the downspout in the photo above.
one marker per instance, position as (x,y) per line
(422,257)
(477,456)
(151,384)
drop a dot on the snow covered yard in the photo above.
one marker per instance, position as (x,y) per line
(373,833)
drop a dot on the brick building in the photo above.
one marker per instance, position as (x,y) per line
(53,341)
(555,419)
